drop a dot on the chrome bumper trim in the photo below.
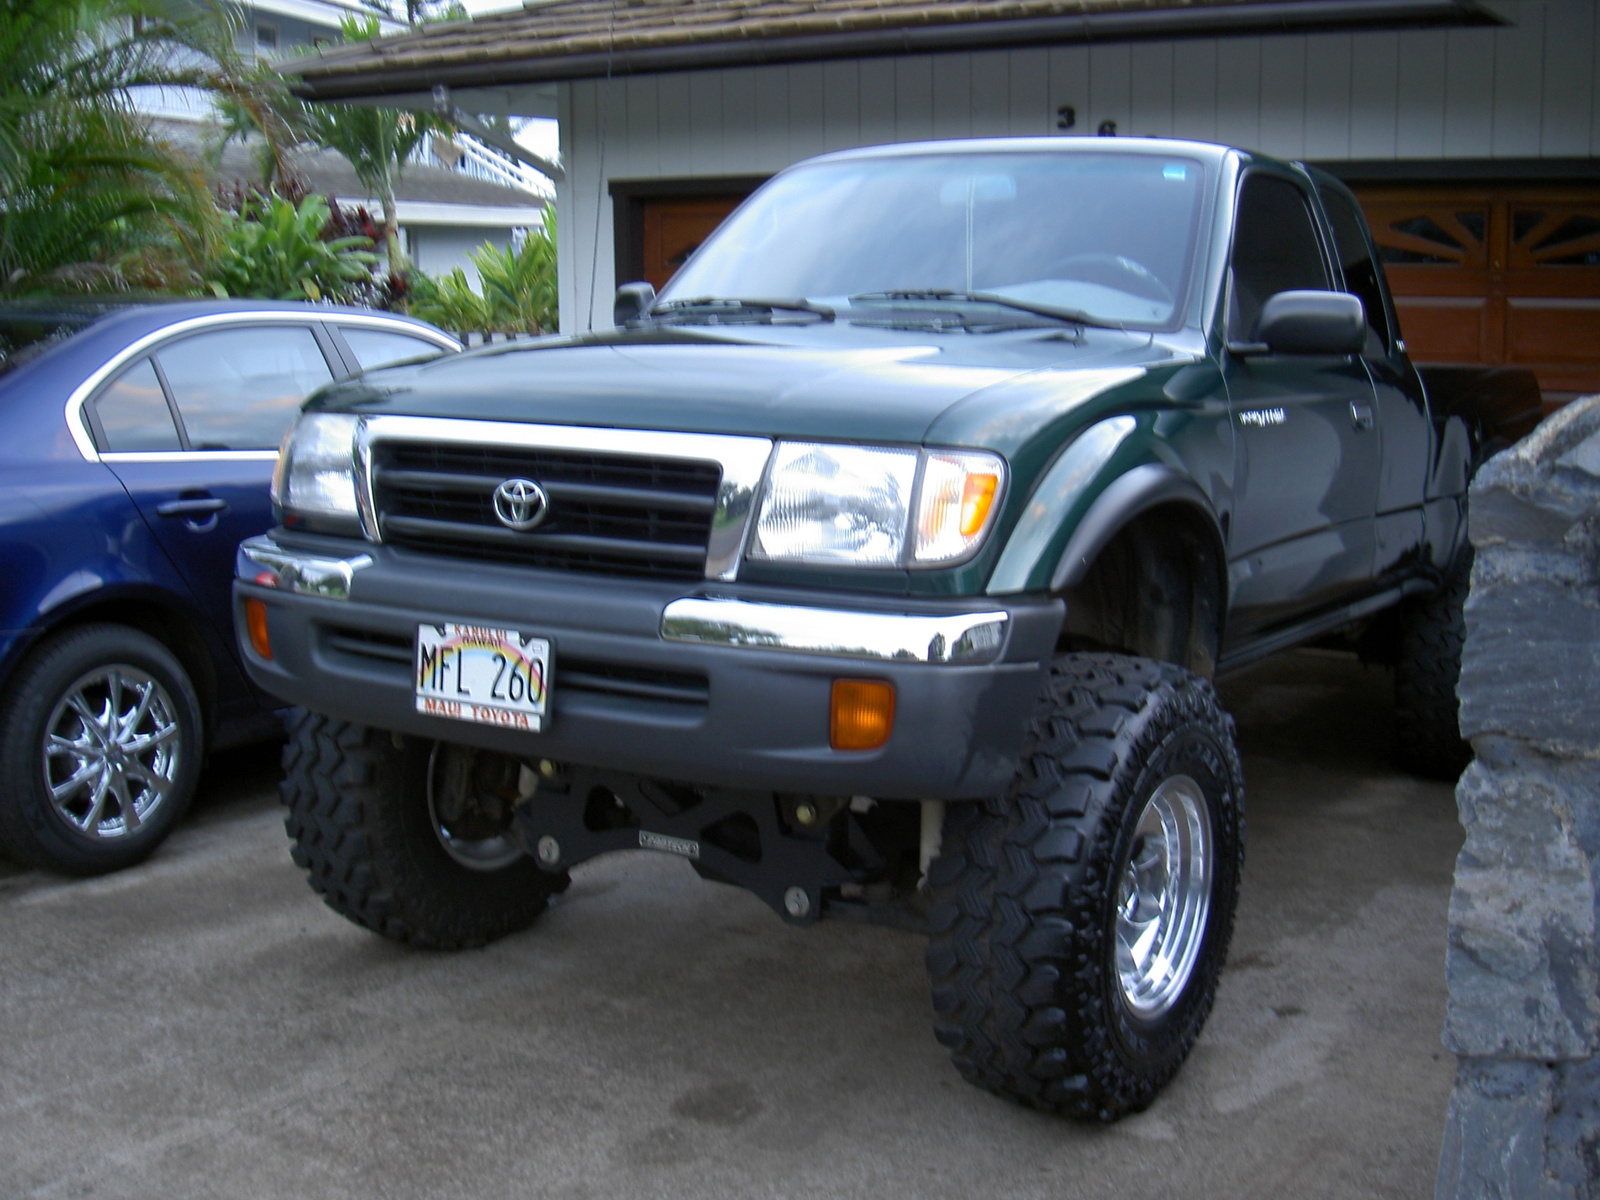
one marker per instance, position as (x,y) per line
(961,638)
(306,574)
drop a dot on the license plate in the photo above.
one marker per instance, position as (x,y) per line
(476,673)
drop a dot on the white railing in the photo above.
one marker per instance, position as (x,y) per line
(485,162)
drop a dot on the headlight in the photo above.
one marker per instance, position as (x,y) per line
(957,499)
(316,473)
(836,504)
(852,505)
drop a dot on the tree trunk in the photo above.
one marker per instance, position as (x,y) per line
(391,234)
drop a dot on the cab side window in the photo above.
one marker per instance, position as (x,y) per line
(131,415)
(1275,249)
(239,389)
(1360,269)
(375,348)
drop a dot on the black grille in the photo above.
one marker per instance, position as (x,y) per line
(610,513)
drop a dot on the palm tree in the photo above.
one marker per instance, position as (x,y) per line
(89,198)
(377,142)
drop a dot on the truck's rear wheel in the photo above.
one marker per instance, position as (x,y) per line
(411,840)
(1433,631)
(1081,922)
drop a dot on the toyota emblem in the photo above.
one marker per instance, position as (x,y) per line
(521,503)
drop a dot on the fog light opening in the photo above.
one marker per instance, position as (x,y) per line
(255,623)
(861,716)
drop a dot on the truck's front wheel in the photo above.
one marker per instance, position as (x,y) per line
(1081,922)
(409,838)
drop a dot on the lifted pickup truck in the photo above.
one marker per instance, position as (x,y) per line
(880,566)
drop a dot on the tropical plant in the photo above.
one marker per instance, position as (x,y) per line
(254,107)
(519,282)
(420,12)
(89,198)
(276,249)
(377,142)
(518,288)
(448,301)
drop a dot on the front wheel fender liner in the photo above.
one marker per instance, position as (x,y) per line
(1137,491)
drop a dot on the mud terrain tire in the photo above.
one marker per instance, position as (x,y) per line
(1029,889)
(361,827)
(1433,630)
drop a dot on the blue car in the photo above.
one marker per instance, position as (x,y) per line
(137,443)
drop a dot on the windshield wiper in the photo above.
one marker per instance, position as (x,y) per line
(716,306)
(1073,315)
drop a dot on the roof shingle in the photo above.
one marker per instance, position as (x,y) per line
(567,39)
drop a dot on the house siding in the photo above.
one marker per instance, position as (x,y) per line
(1522,91)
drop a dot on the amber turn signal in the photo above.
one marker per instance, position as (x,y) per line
(862,714)
(977,498)
(255,623)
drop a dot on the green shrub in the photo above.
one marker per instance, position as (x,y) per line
(275,249)
(518,289)
(448,301)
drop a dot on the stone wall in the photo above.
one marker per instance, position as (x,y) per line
(1523,959)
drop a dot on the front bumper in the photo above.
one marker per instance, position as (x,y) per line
(727,686)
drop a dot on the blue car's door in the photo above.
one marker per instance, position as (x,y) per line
(192,431)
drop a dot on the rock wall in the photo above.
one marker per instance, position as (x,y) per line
(1523,960)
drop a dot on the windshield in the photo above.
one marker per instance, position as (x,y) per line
(1107,236)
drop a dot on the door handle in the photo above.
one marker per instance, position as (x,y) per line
(1361,415)
(200,506)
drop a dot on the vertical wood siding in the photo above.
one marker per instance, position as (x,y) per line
(1522,91)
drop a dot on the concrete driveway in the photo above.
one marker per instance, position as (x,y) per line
(201,1026)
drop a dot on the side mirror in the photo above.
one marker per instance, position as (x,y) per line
(632,302)
(1312,323)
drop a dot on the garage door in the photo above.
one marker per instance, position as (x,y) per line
(1501,276)
(674,227)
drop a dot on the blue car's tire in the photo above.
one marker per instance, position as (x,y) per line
(101,741)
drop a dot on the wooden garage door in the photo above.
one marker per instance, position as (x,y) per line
(1496,276)
(675,227)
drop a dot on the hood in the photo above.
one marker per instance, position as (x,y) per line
(838,382)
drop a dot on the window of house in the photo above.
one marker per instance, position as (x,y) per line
(266,37)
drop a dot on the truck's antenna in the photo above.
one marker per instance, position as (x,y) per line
(600,166)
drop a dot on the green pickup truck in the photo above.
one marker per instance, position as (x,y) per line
(881,566)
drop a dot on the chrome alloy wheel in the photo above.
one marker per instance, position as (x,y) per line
(1164,898)
(112,748)
(471,823)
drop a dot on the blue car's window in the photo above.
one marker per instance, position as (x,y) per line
(239,389)
(132,413)
(375,348)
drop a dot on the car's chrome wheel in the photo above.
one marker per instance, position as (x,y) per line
(112,749)
(1164,898)
(101,741)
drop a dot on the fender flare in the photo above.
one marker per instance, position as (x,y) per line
(1135,491)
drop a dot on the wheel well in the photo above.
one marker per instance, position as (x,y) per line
(1156,589)
(177,633)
